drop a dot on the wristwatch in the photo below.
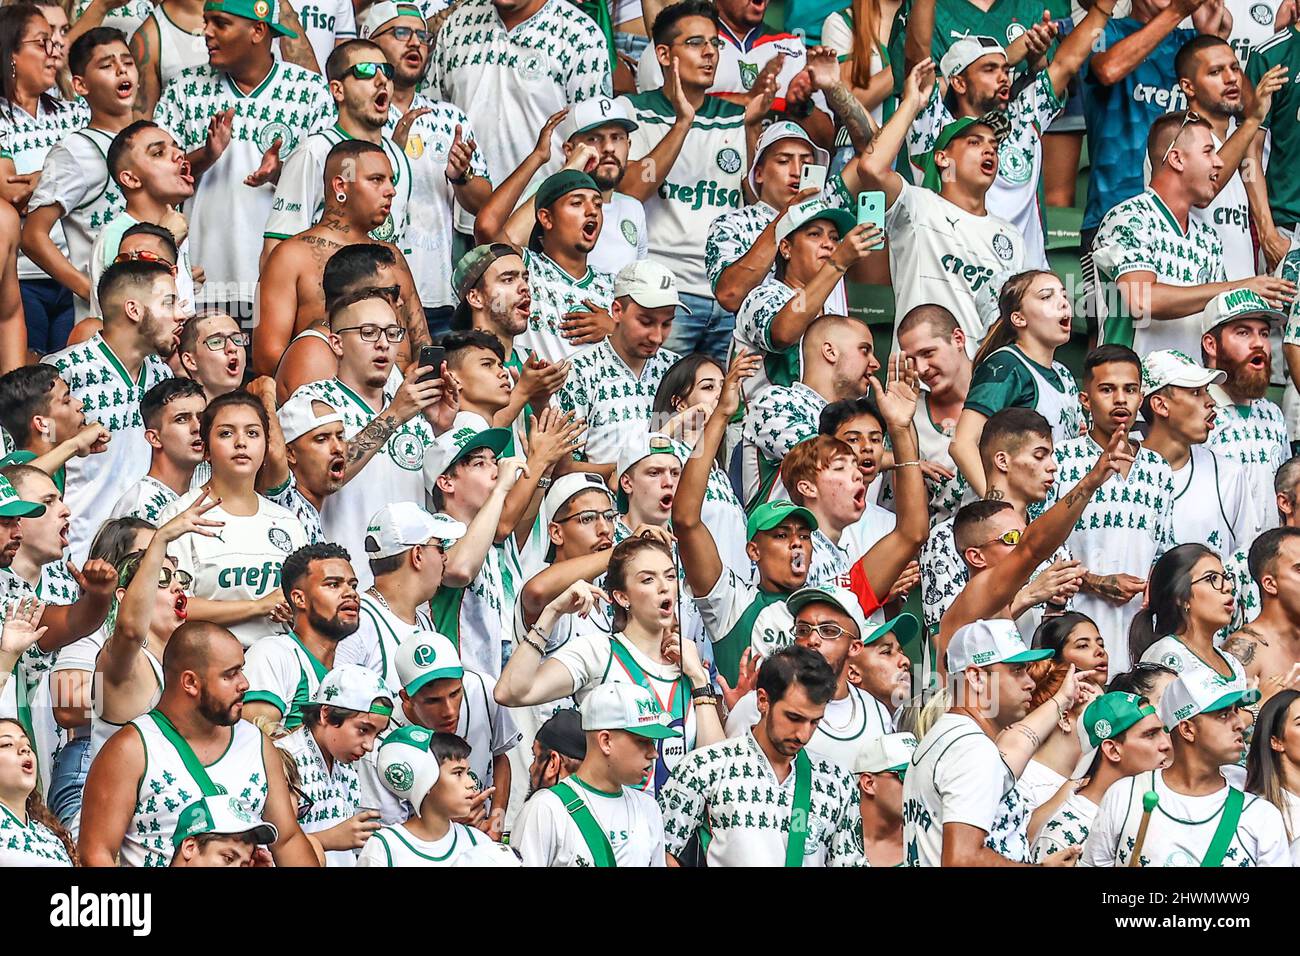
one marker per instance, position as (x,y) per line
(464,178)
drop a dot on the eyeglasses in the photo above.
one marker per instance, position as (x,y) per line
(900,774)
(826,631)
(217,342)
(585,518)
(49,43)
(1009,538)
(367,71)
(696,42)
(165,575)
(405,33)
(371,333)
(144,255)
(1189,118)
(1217,580)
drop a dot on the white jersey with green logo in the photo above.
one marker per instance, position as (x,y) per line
(623,238)
(33,843)
(1178,657)
(1214,503)
(374,643)
(330,794)
(847,724)
(300,193)
(288,497)
(397,846)
(126,17)
(145,499)
(705,181)
(1067,827)
(95,483)
(476,618)
(779,419)
(723,514)
(283,673)
(614,401)
(555,293)
(1255,437)
(943,255)
(241,561)
(226,216)
(753,332)
(545,833)
(326,24)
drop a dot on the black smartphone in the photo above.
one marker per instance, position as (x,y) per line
(431,356)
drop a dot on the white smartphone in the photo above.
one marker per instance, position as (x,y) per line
(812,176)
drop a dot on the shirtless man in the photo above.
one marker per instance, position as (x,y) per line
(358,197)
(1269,646)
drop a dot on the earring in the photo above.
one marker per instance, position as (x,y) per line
(341,197)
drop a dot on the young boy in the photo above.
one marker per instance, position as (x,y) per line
(220,831)
(172,412)
(431,772)
(47,424)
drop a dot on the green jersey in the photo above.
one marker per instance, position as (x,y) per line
(1282,123)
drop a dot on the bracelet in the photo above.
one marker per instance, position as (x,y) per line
(539,648)
(907,464)
(1060,711)
(543,483)
(704,693)
(464,178)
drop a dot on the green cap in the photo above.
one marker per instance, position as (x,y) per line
(551,189)
(11,506)
(462,439)
(1111,714)
(905,627)
(932,177)
(261,10)
(469,270)
(771,513)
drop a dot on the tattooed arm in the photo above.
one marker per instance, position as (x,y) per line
(297,51)
(412,313)
(144,49)
(824,67)
(368,441)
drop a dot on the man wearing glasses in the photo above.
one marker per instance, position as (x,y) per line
(213,352)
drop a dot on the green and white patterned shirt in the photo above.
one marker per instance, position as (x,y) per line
(1254,436)
(1067,827)
(753,332)
(554,293)
(288,496)
(126,17)
(777,421)
(29,844)
(332,795)
(145,499)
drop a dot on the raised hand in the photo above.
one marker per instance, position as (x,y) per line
(220,129)
(553,435)
(580,598)
(541,379)
(92,439)
(763,92)
(542,151)
(919,83)
(22,626)
(402,128)
(744,365)
(415,396)
(95,577)
(268,171)
(586,327)
(823,67)
(1269,83)
(746,679)
(682,107)
(897,401)
(192,520)
(856,245)
(459,157)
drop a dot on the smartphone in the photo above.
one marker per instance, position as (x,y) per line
(871,210)
(431,356)
(812,176)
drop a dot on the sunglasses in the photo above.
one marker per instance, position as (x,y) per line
(144,255)
(1189,118)
(165,575)
(367,71)
(1009,538)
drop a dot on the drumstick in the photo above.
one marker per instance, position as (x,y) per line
(1149,801)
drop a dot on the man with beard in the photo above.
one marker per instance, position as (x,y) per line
(284,670)
(46,422)
(1269,646)
(446,169)
(558,750)
(213,352)
(193,743)
(110,373)
(1159,267)
(1248,428)
(360,187)
(172,411)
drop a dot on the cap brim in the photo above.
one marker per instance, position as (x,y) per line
(265,834)
(496,439)
(1025,657)
(442,674)
(1268,315)
(21,509)
(1213,376)
(811,595)
(905,627)
(654,732)
(777,519)
(622,121)
(1236,698)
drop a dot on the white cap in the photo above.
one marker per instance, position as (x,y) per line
(569,486)
(639,446)
(841,598)
(406,764)
(985,643)
(378,15)
(488,853)
(648,284)
(468,433)
(1201,691)
(354,687)
(1237,304)
(1172,367)
(774,134)
(226,815)
(426,656)
(619,705)
(887,752)
(298,417)
(586,115)
(404,524)
(805,212)
(965,52)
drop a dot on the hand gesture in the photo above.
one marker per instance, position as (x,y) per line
(458,159)
(268,171)
(353,833)
(92,439)
(22,627)
(402,128)
(763,92)
(509,471)
(1067,857)
(935,472)
(799,88)
(1071,687)
(655,533)
(1279,293)
(1117,453)
(415,396)
(746,679)
(919,84)
(1039,37)
(908,578)
(676,97)
(96,577)
(584,158)
(192,520)
(542,151)
(552,435)
(1269,83)
(897,401)
(584,328)
(1053,581)
(578,598)
(856,245)
(540,379)
(174,221)
(1119,588)
(478,813)
(219,133)
(683,653)
(796,199)
(446,405)
(823,67)
(25,186)
(744,366)
(1275,247)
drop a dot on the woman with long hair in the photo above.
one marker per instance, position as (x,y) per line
(646,648)
(1273,765)
(30,835)
(1072,638)
(859,35)
(1190,599)
(1016,366)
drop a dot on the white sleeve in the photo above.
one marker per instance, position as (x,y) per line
(345,23)
(837,34)
(504,732)
(655,817)
(535,833)
(1263,821)
(297,195)
(64,181)
(361,646)
(721,608)
(1103,836)
(272,671)
(583,659)
(969,779)
(375,852)
(744,716)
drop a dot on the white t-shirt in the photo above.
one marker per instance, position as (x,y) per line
(546,835)
(242,561)
(145,499)
(397,846)
(623,238)
(374,643)
(1038,784)
(126,17)
(283,673)
(839,736)
(1214,504)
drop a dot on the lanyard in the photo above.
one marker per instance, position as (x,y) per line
(798,833)
(676,708)
(187,754)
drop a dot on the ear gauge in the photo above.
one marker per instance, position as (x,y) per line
(341,197)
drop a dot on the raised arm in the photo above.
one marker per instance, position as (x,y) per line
(528,679)
(918,42)
(1234,151)
(465,558)
(789,325)
(144,44)
(1077,47)
(1112,64)
(876,166)
(645,175)
(965,449)
(493,220)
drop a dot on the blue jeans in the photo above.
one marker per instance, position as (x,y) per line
(47,307)
(68,777)
(706,329)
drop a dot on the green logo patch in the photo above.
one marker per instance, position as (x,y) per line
(400,776)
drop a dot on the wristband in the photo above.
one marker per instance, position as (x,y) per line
(543,483)
(464,178)
(704,693)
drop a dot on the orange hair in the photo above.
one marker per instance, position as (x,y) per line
(806,459)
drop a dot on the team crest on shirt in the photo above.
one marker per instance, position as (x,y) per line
(1014,166)
(628,228)
(1002,247)
(533,67)
(269,133)
(1261,13)
(280,538)
(385,231)
(728,160)
(748,74)
(1015,30)
(414,147)
(400,776)
(407,451)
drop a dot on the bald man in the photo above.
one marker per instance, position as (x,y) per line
(358,197)
(191,744)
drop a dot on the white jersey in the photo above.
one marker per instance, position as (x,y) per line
(1067,827)
(546,834)
(941,254)
(34,844)
(1253,23)
(1228,214)
(623,238)
(300,192)
(957,775)
(1181,828)
(331,794)
(226,216)
(1178,657)
(554,293)
(327,23)
(724,516)
(934,439)
(283,673)
(103,253)
(242,561)
(95,483)
(374,643)
(485,725)
(178,48)
(167,787)
(126,17)
(1038,783)
(754,320)
(847,724)
(1254,436)
(1214,504)
(397,846)
(145,499)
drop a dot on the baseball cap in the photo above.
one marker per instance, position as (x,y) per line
(1111,714)
(586,115)
(774,134)
(771,513)
(931,177)
(298,416)
(888,753)
(464,437)
(379,15)
(905,627)
(487,853)
(837,597)
(648,284)
(570,486)
(966,51)
(426,656)
(563,733)
(11,506)
(810,210)
(264,11)
(1192,694)
(985,643)
(641,445)
(469,270)
(551,189)
(354,687)
(407,766)
(1171,367)
(623,706)
(224,814)
(404,524)
(1237,304)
